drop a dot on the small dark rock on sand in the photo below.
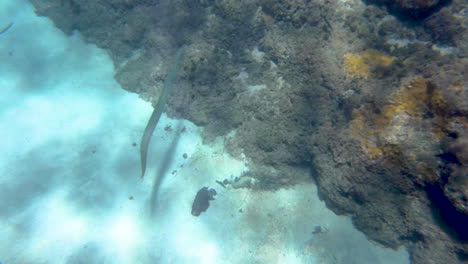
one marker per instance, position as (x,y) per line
(202,200)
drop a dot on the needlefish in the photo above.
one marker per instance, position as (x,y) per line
(153,121)
(5,29)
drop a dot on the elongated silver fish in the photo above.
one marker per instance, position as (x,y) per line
(5,29)
(153,121)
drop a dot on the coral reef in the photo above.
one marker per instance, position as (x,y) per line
(416,9)
(384,133)
(456,188)
(408,131)
(361,64)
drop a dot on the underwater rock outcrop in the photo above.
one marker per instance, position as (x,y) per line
(363,63)
(416,9)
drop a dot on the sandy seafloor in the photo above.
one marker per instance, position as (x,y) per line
(68,167)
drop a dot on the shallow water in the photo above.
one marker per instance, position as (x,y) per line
(69,174)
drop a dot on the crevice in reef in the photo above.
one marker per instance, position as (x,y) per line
(448,216)
(411,11)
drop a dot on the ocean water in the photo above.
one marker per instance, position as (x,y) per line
(70,186)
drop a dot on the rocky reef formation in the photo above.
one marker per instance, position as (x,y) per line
(370,98)
(412,9)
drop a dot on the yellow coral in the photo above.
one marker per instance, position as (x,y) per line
(355,66)
(380,134)
(406,132)
(376,58)
(358,65)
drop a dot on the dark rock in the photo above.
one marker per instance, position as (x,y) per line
(317,230)
(202,200)
(444,27)
(456,189)
(415,9)
(415,4)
